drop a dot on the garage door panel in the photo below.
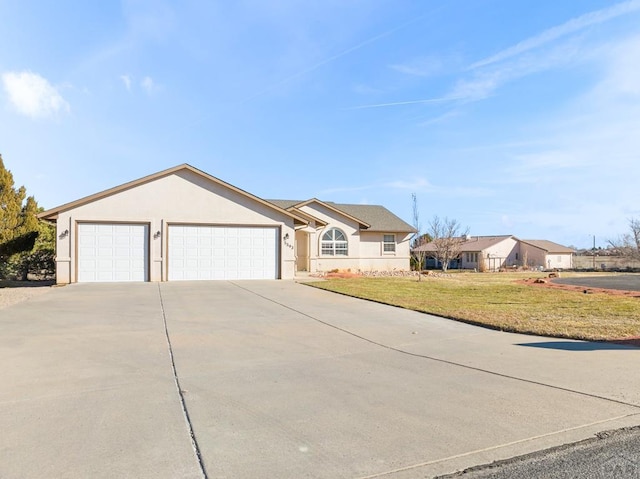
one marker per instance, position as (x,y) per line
(112,252)
(222,252)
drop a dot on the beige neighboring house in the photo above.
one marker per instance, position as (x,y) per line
(491,253)
(184,224)
(546,254)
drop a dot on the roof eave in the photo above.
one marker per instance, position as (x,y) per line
(362,224)
(53,213)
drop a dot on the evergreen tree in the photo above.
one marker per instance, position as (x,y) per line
(27,245)
(10,205)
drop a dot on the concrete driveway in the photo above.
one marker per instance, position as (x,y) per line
(282,380)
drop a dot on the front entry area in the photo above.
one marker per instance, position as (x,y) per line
(222,252)
(302,251)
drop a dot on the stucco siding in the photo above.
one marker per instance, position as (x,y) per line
(320,262)
(374,258)
(179,198)
(534,257)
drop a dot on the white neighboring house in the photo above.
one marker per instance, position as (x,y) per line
(184,224)
(491,253)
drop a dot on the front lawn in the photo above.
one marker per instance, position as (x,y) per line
(498,301)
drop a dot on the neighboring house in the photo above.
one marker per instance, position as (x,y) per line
(547,254)
(184,224)
(491,253)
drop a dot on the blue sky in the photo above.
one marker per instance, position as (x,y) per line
(512,117)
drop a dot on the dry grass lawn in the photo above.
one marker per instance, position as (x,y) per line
(498,301)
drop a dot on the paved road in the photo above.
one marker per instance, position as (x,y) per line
(626,282)
(283,380)
(614,454)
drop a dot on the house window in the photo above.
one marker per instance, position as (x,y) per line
(334,243)
(389,243)
(472,257)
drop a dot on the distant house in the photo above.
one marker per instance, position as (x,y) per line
(547,254)
(491,253)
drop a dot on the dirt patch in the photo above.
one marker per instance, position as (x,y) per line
(342,274)
(13,292)
(547,283)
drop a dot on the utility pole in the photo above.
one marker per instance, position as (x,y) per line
(594,252)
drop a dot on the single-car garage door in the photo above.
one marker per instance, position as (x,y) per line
(112,252)
(222,252)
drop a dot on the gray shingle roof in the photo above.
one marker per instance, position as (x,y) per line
(284,204)
(549,246)
(378,217)
(473,244)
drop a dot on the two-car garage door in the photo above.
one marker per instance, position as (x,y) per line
(120,252)
(222,252)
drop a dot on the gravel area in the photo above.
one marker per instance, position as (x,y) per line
(16,292)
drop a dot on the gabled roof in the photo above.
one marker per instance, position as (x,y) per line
(549,246)
(332,207)
(379,218)
(371,217)
(473,244)
(52,214)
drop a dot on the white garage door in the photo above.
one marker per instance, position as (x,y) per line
(222,252)
(112,252)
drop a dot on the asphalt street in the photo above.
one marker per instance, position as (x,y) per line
(626,282)
(613,454)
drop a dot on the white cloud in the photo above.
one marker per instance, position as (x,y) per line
(149,85)
(572,26)
(32,95)
(422,67)
(126,79)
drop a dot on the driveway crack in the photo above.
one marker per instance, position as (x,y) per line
(180,391)
(440,360)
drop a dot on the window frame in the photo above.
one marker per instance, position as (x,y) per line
(391,243)
(334,247)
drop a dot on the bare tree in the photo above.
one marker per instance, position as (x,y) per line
(418,239)
(448,237)
(628,244)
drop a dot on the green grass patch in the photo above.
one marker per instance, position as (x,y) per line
(499,301)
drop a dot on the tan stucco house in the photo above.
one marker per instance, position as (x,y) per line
(184,224)
(491,253)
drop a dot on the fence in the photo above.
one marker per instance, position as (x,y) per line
(606,263)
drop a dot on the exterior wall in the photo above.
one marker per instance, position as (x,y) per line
(536,257)
(334,220)
(501,255)
(365,250)
(182,197)
(539,258)
(373,258)
(559,261)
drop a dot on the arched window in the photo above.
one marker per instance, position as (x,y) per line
(334,243)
